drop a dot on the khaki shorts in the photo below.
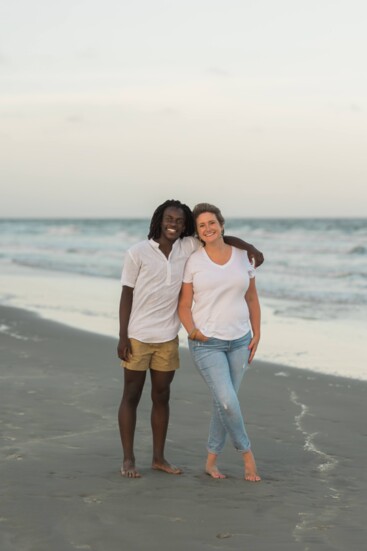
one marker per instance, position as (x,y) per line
(160,356)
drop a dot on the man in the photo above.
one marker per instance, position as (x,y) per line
(151,283)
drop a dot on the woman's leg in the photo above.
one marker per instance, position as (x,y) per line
(211,359)
(238,362)
(237,356)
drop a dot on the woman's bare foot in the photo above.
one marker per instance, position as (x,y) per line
(214,472)
(165,467)
(211,467)
(128,470)
(250,467)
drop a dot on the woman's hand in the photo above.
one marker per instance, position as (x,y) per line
(253,347)
(197,335)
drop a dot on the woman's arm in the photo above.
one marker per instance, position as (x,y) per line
(255,316)
(252,252)
(185,313)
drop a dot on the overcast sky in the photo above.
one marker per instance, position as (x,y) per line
(109,107)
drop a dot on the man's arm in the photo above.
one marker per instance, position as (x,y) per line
(252,252)
(126,302)
(255,315)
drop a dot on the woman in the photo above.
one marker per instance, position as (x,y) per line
(220,280)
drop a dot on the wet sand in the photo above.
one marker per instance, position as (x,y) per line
(60,457)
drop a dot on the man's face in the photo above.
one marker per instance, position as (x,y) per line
(173,223)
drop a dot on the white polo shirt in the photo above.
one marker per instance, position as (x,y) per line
(220,309)
(156,281)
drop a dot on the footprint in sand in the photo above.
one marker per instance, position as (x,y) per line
(223,535)
(15,456)
(91,500)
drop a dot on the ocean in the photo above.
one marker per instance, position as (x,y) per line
(312,286)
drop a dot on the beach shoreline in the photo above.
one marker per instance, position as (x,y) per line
(312,285)
(61,454)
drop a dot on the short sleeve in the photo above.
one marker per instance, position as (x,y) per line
(191,244)
(187,277)
(251,269)
(197,243)
(130,270)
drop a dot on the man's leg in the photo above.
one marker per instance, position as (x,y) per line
(133,387)
(161,382)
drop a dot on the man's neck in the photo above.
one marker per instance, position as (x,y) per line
(165,245)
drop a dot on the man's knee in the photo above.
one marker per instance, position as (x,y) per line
(132,394)
(161,395)
(161,384)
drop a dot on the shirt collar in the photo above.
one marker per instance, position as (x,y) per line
(155,245)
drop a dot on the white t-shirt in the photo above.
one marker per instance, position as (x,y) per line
(156,281)
(220,309)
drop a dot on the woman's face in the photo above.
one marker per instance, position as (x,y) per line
(208,227)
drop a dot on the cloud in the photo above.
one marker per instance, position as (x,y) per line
(4,60)
(256,129)
(218,72)
(75,119)
(169,112)
(88,54)
(356,108)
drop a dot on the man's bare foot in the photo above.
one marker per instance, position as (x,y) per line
(250,467)
(165,467)
(214,472)
(128,470)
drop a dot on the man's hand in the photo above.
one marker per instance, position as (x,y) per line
(124,349)
(255,256)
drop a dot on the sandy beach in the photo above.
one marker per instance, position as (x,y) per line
(60,484)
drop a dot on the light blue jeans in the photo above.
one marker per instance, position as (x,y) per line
(222,365)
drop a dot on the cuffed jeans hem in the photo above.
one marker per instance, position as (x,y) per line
(243,451)
(215,452)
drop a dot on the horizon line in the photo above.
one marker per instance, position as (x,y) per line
(302,217)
